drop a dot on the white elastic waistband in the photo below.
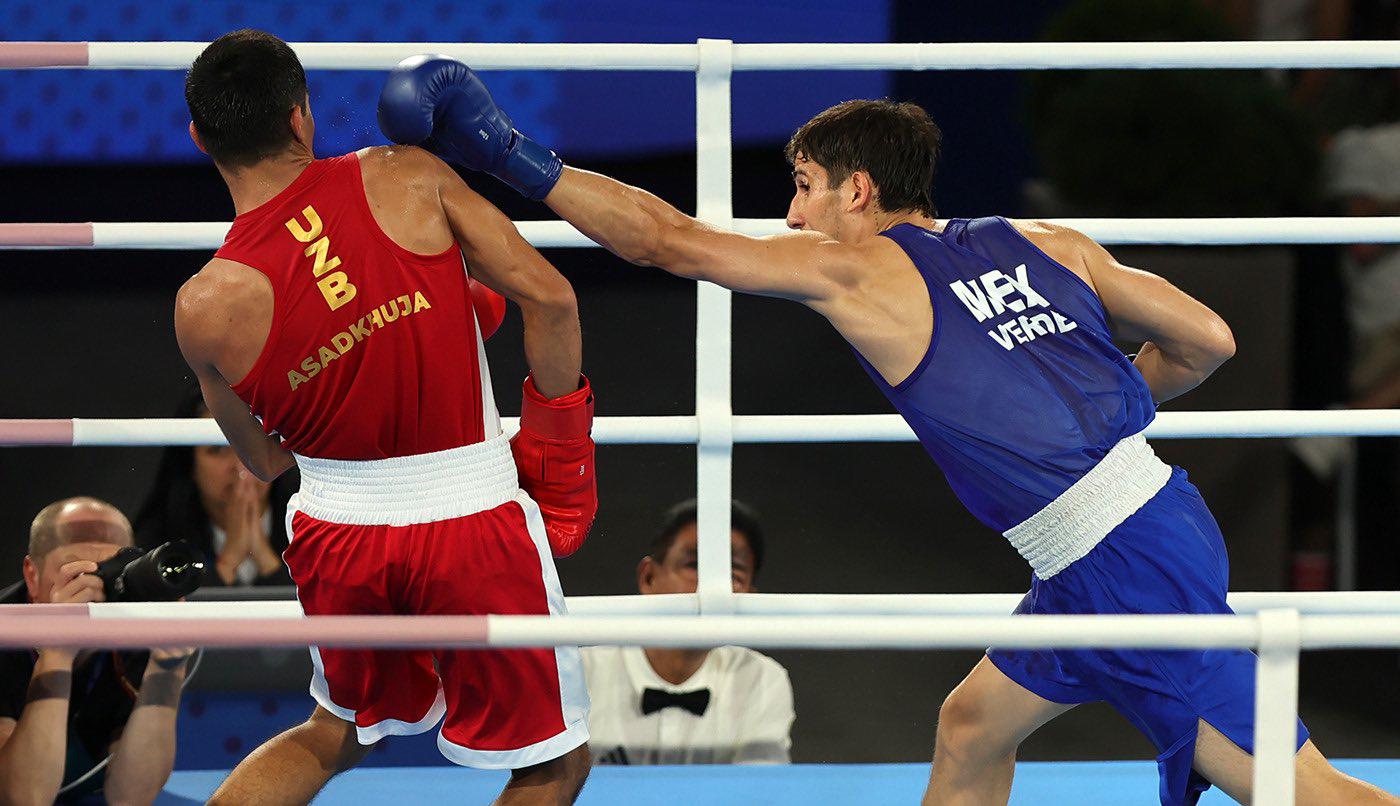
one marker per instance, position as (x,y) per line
(1070,526)
(404,490)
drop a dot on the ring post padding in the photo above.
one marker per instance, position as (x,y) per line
(714,456)
(1276,705)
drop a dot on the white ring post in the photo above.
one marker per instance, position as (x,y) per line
(1276,706)
(714,203)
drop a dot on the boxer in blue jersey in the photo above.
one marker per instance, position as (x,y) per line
(992,338)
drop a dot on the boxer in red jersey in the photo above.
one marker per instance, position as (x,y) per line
(334,330)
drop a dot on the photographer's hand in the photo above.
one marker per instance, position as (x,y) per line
(170,659)
(76,585)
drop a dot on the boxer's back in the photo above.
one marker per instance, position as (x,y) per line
(373,349)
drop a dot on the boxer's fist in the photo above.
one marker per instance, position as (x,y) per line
(554,456)
(490,308)
(440,104)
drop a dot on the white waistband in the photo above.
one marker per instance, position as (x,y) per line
(1070,526)
(404,490)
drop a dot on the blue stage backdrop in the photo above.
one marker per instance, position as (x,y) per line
(139,116)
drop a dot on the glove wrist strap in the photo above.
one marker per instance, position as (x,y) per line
(530,168)
(562,419)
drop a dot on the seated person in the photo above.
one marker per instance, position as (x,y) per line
(204,496)
(63,711)
(728,705)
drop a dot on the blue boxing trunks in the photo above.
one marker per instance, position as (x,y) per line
(1168,556)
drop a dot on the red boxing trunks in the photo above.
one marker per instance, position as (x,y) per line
(445,533)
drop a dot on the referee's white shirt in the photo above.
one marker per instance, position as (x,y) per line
(748,719)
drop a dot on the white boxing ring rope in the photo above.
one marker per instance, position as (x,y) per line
(752,429)
(1277,625)
(561,234)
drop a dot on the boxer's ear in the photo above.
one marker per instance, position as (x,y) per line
(862,192)
(194,135)
(302,124)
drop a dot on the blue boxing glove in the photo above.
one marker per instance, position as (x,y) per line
(440,104)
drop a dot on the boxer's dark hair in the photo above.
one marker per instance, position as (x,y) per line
(896,143)
(240,91)
(742,519)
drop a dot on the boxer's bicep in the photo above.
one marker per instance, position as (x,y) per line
(260,452)
(1144,307)
(1141,306)
(199,321)
(803,266)
(498,256)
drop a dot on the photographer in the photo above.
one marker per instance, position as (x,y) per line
(63,711)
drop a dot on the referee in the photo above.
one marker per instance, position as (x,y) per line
(728,705)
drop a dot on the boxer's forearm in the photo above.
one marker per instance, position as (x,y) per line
(1171,376)
(627,221)
(553,347)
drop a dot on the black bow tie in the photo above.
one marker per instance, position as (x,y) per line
(654,699)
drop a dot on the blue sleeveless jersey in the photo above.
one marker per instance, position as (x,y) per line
(1022,390)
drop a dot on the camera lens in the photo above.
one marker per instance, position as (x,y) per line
(174,564)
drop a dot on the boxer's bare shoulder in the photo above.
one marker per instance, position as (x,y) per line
(223,315)
(1068,247)
(403,185)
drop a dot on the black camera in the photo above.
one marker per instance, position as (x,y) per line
(163,574)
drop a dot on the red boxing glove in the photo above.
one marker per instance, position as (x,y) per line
(489,306)
(554,455)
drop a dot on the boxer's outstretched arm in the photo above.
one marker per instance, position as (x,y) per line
(506,263)
(443,105)
(209,305)
(640,228)
(1183,340)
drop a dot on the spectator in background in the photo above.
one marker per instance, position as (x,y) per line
(728,705)
(1331,100)
(1363,176)
(61,711)
(205,496)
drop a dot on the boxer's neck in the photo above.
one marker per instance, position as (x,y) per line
(253,186)
(883,221)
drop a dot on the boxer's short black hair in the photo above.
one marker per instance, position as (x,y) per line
(742,519)
(896,143)
(240,91)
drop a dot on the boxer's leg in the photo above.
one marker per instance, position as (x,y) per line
(292,767)
(1229,767)
(520,709)
(980,725)
(557,781)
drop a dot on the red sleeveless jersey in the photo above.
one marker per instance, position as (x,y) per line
(374,350)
